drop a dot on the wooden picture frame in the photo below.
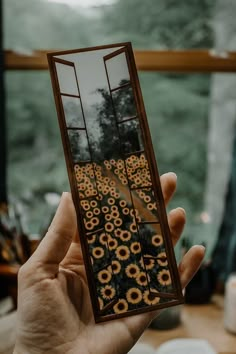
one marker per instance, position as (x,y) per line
(122,223)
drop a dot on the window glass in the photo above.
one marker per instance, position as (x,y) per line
(178,106)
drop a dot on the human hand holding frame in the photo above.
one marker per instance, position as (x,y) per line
(54,309)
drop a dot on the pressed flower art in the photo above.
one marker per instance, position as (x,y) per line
(122,223)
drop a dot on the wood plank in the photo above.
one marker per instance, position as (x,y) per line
(9,271)
(198,321)
(184,61)
(36,60)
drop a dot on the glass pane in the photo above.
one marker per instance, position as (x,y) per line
(105,286)
(98,250)
(159,274)
(117,70)
(79,145)
(138,171)
(124,103)
(145,205)
(73,112)
(130,136)
(179,125)
(67,79)
(181,100)
(86,182)
(151,239)
(93,218)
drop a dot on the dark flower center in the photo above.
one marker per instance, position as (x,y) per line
(122,252)
(134,295)
(151,297)
(165,277)
(114,266)
(120,306)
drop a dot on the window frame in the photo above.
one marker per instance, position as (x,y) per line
(180,61)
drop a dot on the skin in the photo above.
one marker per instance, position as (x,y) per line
(54,309)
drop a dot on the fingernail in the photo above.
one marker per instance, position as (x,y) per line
(65,195)
(173,174)
(177,210)
(201,246)
(182,210)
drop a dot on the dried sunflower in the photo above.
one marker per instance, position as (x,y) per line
(132,270)
(149,297)
(164,277)
(122,252)
(108,292)
(134,295)
(121,306)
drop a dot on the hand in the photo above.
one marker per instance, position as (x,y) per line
(54,309)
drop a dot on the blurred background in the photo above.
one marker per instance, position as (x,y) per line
(189,89)
(191,111)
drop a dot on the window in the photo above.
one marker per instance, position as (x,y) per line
(178,105)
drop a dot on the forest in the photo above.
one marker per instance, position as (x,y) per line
(177,105)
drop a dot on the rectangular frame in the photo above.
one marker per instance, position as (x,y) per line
(148,148)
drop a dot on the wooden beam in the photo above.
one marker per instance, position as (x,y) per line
(185,61)
(37,60)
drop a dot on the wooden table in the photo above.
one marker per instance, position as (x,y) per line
(198,321)
(205,322)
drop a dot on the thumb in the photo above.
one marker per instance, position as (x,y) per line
(54,246)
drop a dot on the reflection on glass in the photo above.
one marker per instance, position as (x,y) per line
(130,136)
(67,79)
(159,275)
(86,183)
(93,222)
(98,250)
(106,142)
(73,112)
(138,171)
(79,145)
(145,205)
(124,103)
(117,70)
(151,239)
(106,286)
(117,204)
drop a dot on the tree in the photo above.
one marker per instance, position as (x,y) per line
(35,163)
(221,177)
(161,24)
(117,107)
(177,105)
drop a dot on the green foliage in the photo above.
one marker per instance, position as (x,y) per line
(177,111)
(176,105)
(122,104)
(36,24)
(162,23)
